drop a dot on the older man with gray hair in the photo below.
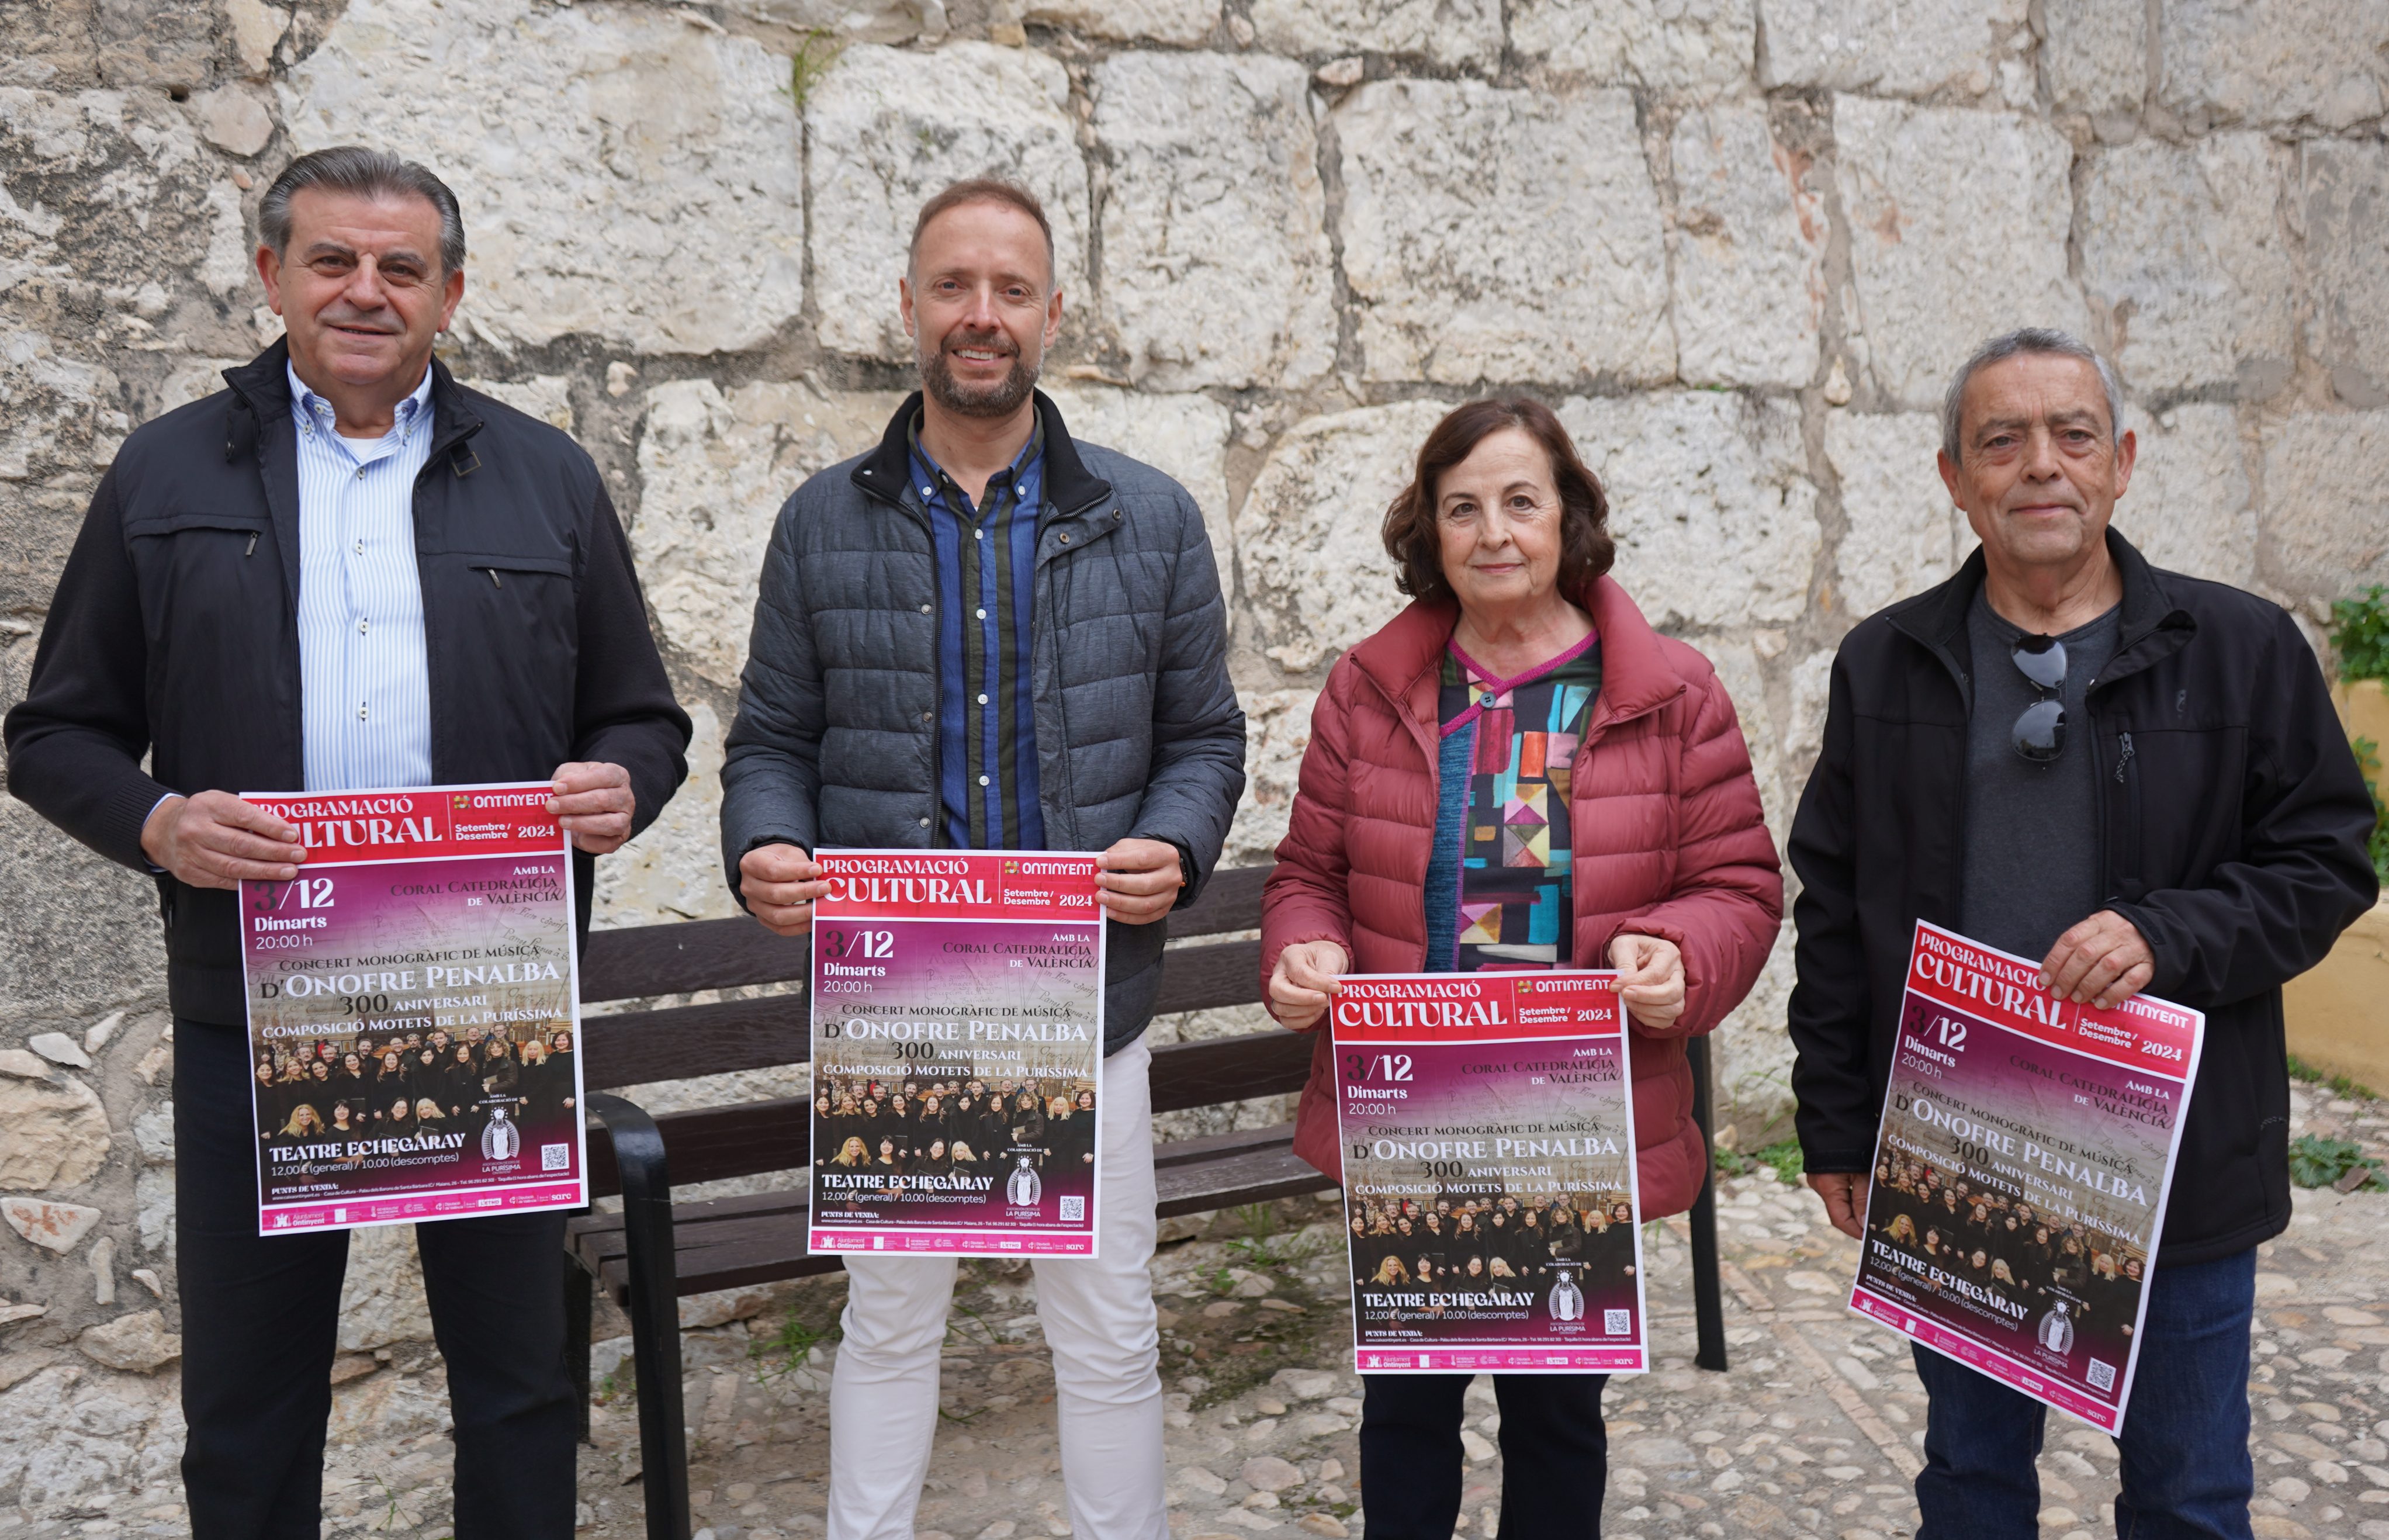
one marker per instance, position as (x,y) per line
(2136,776)
(343,572)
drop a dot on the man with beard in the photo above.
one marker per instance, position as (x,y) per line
(985,634)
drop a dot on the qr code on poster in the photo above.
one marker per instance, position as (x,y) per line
(1617,1323)
(1074,1209)
(2103,1375)
(555,1157)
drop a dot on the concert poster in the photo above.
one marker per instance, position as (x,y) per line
(414,1010)
(1488,1123)
(2021,1175)
(957,1053)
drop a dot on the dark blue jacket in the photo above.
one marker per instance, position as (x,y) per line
(1138,731)
(174,633)
(2231,832)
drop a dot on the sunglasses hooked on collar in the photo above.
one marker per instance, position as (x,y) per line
(2039,732)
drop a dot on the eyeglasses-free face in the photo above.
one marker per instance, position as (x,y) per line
(2039,733)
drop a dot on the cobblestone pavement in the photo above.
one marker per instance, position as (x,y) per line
(1814,1432)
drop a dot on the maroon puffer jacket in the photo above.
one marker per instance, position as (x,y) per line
(1667,830)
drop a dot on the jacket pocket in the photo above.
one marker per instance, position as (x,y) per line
(205,576)
(193,519)
(497,566)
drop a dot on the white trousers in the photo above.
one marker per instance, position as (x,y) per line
(1099,1321)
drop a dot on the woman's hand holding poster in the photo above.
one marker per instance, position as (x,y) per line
(2020,1178)
(958,1051)
(413,1010)
(1488,1173)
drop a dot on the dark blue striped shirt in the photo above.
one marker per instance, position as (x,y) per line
(987,723)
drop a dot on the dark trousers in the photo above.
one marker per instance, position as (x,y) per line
(1554,1455)
(2186,1472)
(261,1318)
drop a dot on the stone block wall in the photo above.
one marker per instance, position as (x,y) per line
(1739,244)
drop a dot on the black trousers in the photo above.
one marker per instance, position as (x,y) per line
(1554,1455)
(261,1319)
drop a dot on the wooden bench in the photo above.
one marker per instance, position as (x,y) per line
(653,1252)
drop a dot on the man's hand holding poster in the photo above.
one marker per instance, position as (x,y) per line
(414,1010)
(2020,1178)
(958,1049)
(1488,1173)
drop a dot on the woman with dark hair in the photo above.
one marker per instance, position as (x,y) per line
(426,1075)
(1026,1121)
(389,1075)
(463,1082)
(273,1107)
(1517,772)
(499,1074)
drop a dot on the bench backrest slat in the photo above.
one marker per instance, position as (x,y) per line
(641,960)
(753,1137)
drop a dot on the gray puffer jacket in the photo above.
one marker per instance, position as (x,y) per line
(1138,731)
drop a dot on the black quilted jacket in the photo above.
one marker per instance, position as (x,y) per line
(1138,731)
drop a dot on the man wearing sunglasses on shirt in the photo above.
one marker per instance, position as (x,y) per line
(2138,777)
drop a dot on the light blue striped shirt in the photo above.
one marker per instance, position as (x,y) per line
(367,695)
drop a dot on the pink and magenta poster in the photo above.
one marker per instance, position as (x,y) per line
(1489,1174)
(957,1052)
(2019,1179)
(414,1010)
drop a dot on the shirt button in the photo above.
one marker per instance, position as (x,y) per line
(924,823)
(361,476)
(982,614)
(982,780)
(928,492)
(360,547)
(925,609)
(978,534)
(982,700)
(360,711)
(928,716)
(362,625)
(1065,540)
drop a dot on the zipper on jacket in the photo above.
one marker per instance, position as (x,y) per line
(493,577)
(2128,776)
(251,550)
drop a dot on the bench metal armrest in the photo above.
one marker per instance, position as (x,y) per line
(655,1309)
